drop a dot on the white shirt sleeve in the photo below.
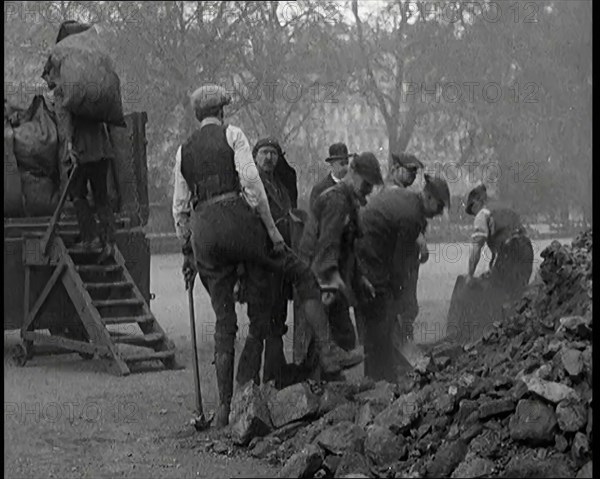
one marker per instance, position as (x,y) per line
(481,228)
(181,201)
(253,189)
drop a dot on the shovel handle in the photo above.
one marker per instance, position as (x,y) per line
(49,234)
(198,391)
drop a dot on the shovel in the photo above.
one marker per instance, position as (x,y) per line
(200,422)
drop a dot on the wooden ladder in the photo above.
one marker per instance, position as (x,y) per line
(103,295)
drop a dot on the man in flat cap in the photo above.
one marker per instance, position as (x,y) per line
(222,218)
(391,223)
(338,161)
(501,228)
(330,234)
(268,292)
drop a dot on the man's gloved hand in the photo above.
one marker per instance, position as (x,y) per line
(278,243)
(189,268)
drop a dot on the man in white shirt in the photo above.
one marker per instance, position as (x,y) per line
(222,217)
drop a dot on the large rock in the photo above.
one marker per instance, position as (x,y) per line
(342,437)
(466,408)
(474,466)
(496,407)
(292,403)
(571,415)
(400,415)
(585,471)
(447,458)
(249,414)
(550,391)
(366,414)
(330,400)
(353,463)
(383,447)
(445,403)
(304,463)
(344,412)
(523,465)
(533,423)
(580,449)
(572,362)
(383,393)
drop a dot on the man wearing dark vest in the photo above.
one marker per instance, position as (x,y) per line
(222,217)
(391,223)
(501,228)
(88,144)
(329,238)
(338,161)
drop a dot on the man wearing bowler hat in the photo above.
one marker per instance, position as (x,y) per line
(338,161)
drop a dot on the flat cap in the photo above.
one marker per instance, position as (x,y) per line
(210,96)
(407,161)
(267,142)
(367,166)
(438,188)
(477,193)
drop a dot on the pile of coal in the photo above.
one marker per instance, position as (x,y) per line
(515,403)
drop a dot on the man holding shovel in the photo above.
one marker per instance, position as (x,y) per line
(222,216)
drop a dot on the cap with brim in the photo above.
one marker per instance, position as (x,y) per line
(439,188)
(477,193)
(367,166)
(272,142)
(407,161)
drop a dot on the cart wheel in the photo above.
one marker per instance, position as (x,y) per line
(20,355)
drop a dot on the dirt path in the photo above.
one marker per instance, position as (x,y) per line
(67,418)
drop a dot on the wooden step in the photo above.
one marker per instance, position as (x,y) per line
(80,250)
(107,303)
(145,318)
(116,284)
(98,268)
(150,356)
(138,340)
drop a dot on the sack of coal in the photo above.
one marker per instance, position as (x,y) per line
(87,84)
(36,140)
(40,194)
(13,200)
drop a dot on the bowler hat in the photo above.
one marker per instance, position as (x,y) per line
(406,161)
(338,151)
(477,193)
(367,166)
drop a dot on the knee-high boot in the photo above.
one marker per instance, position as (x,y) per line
(250,360)
(224,366)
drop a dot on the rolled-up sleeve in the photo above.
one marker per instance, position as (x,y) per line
(252,186)
(480,225)
(181,202)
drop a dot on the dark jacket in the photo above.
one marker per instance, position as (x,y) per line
(390,223)
(319,188)
(328,239)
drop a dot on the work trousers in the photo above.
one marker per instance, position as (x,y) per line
(224,235)
(382,337)
(513,265)
(342,329)
(94,173)
(407,304)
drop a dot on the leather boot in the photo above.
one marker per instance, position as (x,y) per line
(224,367)
(249,363)
(107,232)
(275,361)
(87,225)
(332,358)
